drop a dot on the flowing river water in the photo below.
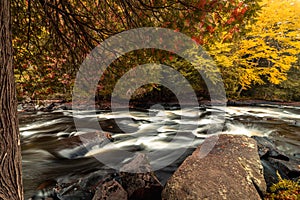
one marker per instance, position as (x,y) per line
(52,149)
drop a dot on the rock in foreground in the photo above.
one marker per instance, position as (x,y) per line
(136,181)
(231,170)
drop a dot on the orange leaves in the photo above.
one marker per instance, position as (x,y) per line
(198,40)
(187,22)
(230,20)
(243,11)
(219,17)
(201,4)
(237,13)
(51,75)
(210,29)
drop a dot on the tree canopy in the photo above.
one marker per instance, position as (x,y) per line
(266,53)
(51,38)
(253,42)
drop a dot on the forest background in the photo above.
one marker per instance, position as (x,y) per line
(255,44)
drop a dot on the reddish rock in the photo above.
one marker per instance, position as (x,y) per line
(111,190)
(138,180)
(231,170)
(143,186)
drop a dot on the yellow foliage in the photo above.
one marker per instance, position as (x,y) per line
(268,50)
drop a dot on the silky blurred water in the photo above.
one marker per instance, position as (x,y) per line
(52,149)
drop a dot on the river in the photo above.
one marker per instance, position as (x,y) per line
(52,148)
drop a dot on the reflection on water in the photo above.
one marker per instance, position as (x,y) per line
(52,149)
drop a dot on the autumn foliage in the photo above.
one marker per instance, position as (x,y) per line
(266,53)
(252,42)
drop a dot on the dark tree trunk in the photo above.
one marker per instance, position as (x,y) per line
(10,149)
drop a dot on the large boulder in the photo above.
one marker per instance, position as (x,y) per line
(231,170)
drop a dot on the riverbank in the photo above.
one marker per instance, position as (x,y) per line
(50,105)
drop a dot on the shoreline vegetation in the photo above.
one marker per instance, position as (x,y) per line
(284,189)
(54,104)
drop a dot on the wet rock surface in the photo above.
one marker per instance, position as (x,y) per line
(236,167)
(44,106)
(112,190)
(231,170)
(273,161)
(137,182)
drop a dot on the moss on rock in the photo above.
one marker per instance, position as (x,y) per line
(284,189)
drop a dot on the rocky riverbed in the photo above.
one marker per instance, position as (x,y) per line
(237,167)
(56,165)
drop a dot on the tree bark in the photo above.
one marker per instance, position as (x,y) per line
(10,150)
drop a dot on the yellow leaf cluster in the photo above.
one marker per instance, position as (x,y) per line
(268,50)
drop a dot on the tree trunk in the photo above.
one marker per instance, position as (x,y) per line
(10,150)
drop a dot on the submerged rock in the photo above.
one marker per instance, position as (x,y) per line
(231,170)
